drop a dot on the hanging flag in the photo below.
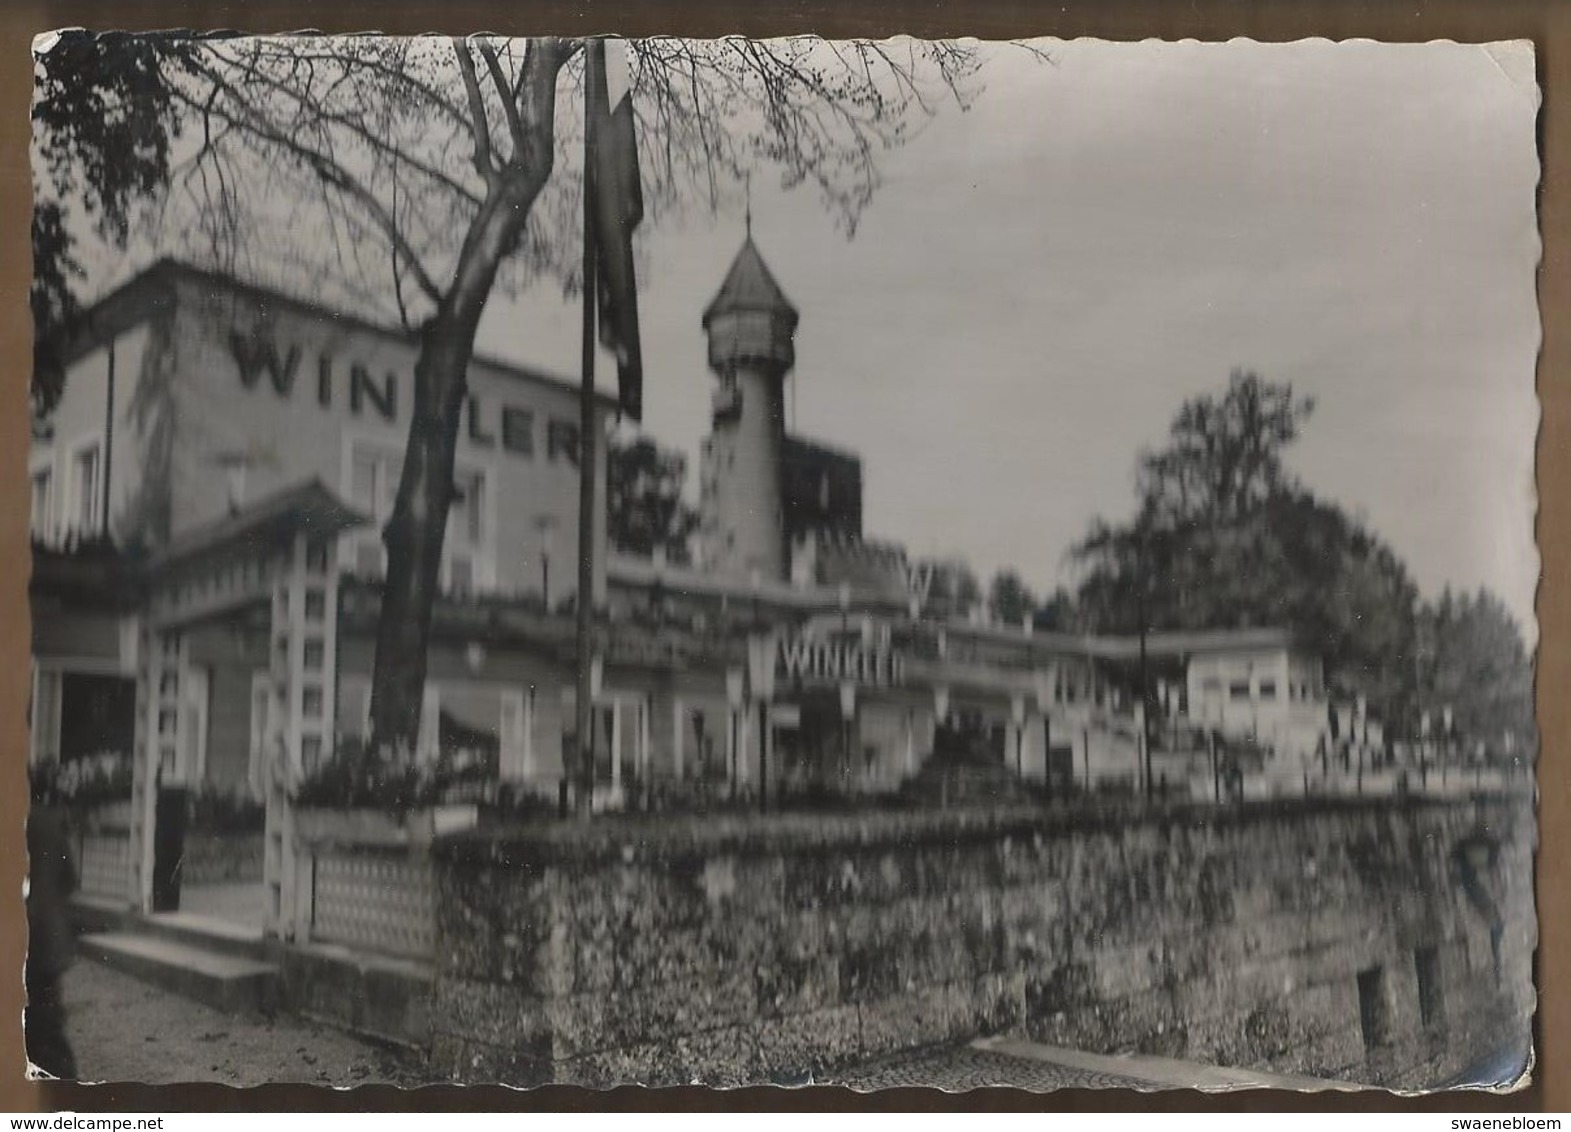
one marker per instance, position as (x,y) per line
(618,206)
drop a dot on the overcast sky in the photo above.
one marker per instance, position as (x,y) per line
(1042,280)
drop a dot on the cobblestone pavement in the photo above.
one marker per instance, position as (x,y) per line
(960,1069)
(123,1029)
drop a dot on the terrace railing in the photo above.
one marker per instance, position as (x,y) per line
(365,881)
(103,847)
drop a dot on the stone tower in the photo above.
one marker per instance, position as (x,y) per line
(751,327)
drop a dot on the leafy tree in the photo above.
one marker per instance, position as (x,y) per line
(103,123)
(1473,659)
(953,590)
(1008,598)
(1223,539)
(644,505)
(1057,614)
(430,170)
(1223,455)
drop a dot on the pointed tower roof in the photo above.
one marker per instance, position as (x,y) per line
(750,286)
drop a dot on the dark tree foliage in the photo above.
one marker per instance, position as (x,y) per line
(1224,455)
(1057,613)
(103,123)
(1472,658)
(1009,600)
(1224,539)
(644,505)
(953,589)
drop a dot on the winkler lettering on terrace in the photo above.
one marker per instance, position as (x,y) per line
(1095,646)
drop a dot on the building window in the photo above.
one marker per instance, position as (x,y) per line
(353,708)
(561,440)
(518,430)
(461,576)
(368,559)
(1431,1001)
(87,497)
(1374,1012)
(1268,689)
(44,713)
(466,518)
(373,481)
(43,504)
(1238,690)
(469,728)
(261,701)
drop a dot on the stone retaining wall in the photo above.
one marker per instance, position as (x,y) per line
(1381,941)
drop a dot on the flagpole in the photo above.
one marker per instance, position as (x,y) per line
(587,443)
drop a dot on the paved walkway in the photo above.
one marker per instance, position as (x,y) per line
(123,1029)
(969,1067)
(1015,1064)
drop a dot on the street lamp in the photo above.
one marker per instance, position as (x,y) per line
(847,714)
(761,689)
(736,693)
(1017,716)
(1140,714)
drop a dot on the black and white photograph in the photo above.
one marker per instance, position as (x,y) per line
(876,563)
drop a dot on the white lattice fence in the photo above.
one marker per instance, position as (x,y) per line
(106,863)
(382,901)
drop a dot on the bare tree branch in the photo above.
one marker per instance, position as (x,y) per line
(485,162)
(375,139)
(514,126)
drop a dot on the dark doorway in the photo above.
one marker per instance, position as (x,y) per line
(1374,1011)
(1431,1004)
(970,736)
(97,714)
(169,824)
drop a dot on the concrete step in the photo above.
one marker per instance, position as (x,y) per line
(231,983)
(374,996)
(98,914)
(208,933)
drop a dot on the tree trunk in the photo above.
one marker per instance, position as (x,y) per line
(415,533)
